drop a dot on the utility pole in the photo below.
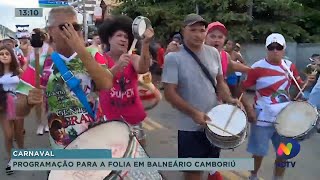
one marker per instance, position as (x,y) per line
(80,5)
(85,22)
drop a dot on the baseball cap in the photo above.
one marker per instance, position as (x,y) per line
(276,38)
(194,18)
(217,26)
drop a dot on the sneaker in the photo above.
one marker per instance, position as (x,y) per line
(40,129)
(253,178)
(46,129)
(8,170)
(215,176)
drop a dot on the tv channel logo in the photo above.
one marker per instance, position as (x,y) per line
(288,149)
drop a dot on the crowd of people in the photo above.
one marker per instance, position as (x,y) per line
(200,69)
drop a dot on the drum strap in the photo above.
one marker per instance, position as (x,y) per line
(204,69)
(72,82)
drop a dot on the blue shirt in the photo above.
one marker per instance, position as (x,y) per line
(314,97)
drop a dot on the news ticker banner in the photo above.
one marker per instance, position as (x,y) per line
(53,3)
(100,159)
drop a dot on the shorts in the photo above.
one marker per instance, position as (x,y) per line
(139,131)
(232,79)
(259,137)
(194,144)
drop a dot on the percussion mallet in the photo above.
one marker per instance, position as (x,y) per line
(232,113)
(305,85)
(209,123)
(294,79)
(37,43)
(37,67)
(133,45)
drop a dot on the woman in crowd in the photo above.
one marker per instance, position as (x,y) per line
(12,126)
(122,100)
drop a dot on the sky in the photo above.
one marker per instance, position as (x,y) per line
(7,18)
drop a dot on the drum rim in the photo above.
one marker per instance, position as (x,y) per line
(238,143)
(135,25)
(113,173)
(245,113)
(276,126)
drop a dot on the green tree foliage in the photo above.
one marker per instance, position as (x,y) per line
(246,20)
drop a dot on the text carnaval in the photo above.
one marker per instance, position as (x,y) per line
(170,164)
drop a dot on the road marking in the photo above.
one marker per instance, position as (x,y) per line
(151,125)
(236,175)
(147,126)
(229,175)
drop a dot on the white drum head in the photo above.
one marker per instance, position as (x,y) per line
(296,119)
(142,27)
(139,26)
(219,116)
(113,135)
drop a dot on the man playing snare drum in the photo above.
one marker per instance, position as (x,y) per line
(188,89)
(272,82)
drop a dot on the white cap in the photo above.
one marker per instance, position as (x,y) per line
(276,38)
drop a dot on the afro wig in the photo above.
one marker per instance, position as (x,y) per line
(114,24)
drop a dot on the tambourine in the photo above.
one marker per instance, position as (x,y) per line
(139,26)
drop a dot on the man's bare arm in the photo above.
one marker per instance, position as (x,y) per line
(239,58)
(223,89)
(171,95)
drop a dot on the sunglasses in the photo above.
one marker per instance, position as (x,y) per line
(76,27)
(273,47)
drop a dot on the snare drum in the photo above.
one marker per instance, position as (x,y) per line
(115,135)
(237,125)
(296,120)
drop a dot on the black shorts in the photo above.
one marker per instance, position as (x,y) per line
(194,144)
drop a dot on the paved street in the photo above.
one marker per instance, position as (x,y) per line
(162,142)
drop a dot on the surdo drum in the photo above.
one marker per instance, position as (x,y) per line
(237,125)
(115,135)
(296,120)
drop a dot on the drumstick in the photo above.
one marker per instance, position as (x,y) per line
(300,92)
(314,72)
(133,45)
(209,123)
(234,110)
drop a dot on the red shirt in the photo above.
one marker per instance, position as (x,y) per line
(160,56)
(118,103)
